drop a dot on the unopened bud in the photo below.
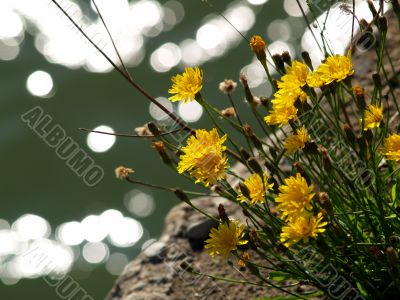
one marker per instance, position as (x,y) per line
(376,78)
(325,202)
(257,45)
(286,58)
(244,190)
(181,195)
(383,24)
(349,133)
(254,165)
(244,153)
(372,8)
(360,97)
(392,256)
(222,214)
(279,63)
(153,129)
(160,148)
(307,59)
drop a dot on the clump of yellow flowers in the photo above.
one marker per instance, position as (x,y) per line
(319,172)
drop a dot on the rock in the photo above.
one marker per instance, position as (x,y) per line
(200,230)
(156,251)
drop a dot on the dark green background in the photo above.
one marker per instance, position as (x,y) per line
(34,180)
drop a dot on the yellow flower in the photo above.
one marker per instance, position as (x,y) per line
(391,147)
(186,85)
(294,197)
(257,44)
(204,157)
(303,228)
(296,141)
(295,78)
(225,239)
(256,188)
(334,68)
(373,116)
(283,110)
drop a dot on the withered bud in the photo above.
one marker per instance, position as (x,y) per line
(248,131)
(244,258)
(298,168)
(325,202)
(243,79)
(364,24)
(222,214)
(325,156)
(286,58)
(159,146)
(349,133)
(359,92)
(216,188)
(376,78)
(264,100)
(228,112)
(122,172)
(392,256)
(143,130)
(257,101)
(227,86)
(375,251)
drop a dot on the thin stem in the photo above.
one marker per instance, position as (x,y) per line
(129,135)
(138,87)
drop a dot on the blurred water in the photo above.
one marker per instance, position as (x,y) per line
(46,209)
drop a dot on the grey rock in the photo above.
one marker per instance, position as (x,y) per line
(156,252)
(200,230)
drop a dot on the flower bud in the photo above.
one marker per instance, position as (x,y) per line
(325,202)
(227,86)
(254,165)
(153,129)
(360,96)
(279,63)
(181,195)
(160,148)
(228,112)
(349,133)
(122,172)
(244,153)
(392,256)
(257,45)
(245,191)
(383,24)
(222,214)
(307,59)
(286,58)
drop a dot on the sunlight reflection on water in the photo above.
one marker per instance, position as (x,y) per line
(29,238)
